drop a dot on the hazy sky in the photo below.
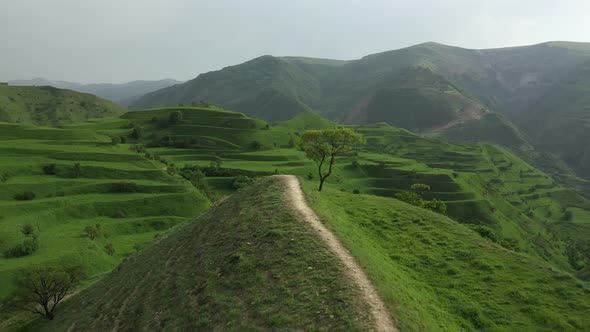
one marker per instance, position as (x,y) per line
(124,40)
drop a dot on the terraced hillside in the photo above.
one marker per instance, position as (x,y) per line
(50,106)
(482,185)
(243,265)
(62,180)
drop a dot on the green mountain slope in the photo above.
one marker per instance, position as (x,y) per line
(560,121)
(430,88)
(247,264)
(265,87)
(51,106)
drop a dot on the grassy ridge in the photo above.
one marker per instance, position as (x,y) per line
(51,106)
(247,264)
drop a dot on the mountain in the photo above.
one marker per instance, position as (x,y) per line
(465,95)
(266,87)
(51,106)
(122,94)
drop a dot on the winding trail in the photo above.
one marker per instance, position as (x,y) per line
(296,199)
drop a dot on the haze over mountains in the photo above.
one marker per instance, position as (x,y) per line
(457,93)
(122,94)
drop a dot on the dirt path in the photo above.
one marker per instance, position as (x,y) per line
(383,321)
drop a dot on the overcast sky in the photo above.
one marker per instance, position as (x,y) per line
(123,40)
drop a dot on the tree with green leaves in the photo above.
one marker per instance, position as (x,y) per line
(41,289)
(324,146)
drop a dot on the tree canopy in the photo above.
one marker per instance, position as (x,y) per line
(324,146)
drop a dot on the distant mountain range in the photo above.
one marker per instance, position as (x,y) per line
(535,95)
(122,94)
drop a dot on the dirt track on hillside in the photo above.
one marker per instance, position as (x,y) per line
(382,319)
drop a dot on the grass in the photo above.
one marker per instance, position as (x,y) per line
(436,274)
(244,265)
(51,106)
(487,189)
(65,203)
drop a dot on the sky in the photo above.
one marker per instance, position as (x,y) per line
(117,41)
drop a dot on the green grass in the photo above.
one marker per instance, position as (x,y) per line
(51,106)
(247,264)
(64,203)
(438,275)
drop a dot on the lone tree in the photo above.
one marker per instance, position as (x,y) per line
(41,289)
(324,146)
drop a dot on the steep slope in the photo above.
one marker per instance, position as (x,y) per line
(247,264)
(266,87)
(51,106)
(123,94)
(559,122)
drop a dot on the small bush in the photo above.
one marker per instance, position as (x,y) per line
(436,206)
(27,248)
(3,178)
(410,198)
(27,230)
(50,169)
(93,232)
(256,145)
(115,140)
(486,232)
(356,191)
(25,196)
(309,176)
(110,249)
(568,215)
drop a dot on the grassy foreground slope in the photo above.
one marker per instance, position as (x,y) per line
(438,275)
(51,106)
(79,178)
(246,264)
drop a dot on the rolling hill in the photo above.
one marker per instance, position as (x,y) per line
(246,264)
(51,106)
(122,94)
(430,88)
(510,253)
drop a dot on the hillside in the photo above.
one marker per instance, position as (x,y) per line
(482,185)
(241,260)
(122,94)
(50,106)
(243,265)
(62,180)
(559,122)
(523,238)
(430,88)
(266,87)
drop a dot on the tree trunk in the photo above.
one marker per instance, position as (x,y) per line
(322,179)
